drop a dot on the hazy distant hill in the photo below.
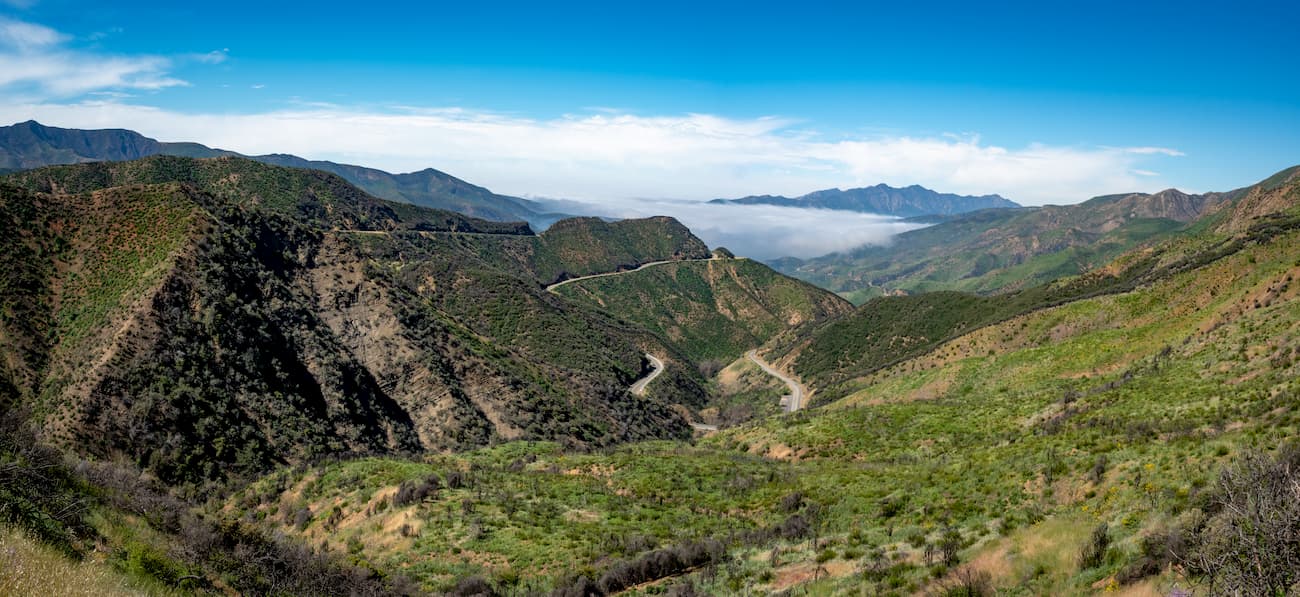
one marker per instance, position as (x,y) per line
(1191,230)
(882,199)
(32,145)
(1001,249)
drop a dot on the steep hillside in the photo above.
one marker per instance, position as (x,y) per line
(1109,443)
(244,315)
(428,188)
(1276,196)
(32,145)
(998,250)
(582,246)
(714,309)
(888,329)
(73,527)
(1117,409)
(317,198)
(883,199)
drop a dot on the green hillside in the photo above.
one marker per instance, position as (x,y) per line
(30,144)
(1008,249)
(321,199)
(714,309)
(426,188)
(1020,442)
(391,402)
(886,330)
(213,318)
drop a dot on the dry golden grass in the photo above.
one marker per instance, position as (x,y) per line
(30,568)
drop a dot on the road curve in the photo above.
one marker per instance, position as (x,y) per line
(638,268)
(795,397)
(657,367)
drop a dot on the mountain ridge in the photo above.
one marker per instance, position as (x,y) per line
(994,250)
(887,329)
(30,144)
(906,202)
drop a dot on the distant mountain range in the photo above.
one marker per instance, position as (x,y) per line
(1005,249)
(882,199)
(32,145)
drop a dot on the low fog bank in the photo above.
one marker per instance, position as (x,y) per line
(758,231)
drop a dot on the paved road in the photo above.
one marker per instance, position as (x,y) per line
(795,398)
(552,287)
(657,365)
(431,232)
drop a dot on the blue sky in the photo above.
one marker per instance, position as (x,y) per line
(1043,102)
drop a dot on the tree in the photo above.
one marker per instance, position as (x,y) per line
(1251,543)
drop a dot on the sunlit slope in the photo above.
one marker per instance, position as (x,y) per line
(715,309)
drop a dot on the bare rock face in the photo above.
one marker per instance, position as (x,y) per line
(1277,195)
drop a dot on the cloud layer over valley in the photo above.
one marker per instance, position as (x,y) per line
(597,155)
(757,231)
(604,158)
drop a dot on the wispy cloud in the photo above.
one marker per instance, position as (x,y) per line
(24,36)
(36,62)
(213,57)
(19,4)
(1154,151)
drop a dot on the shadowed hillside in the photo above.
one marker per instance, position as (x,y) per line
(241,315)
(1102,441)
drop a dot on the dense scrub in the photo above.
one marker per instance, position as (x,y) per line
(1062,450)
(713,309)
(250,316)
(999,250)
(312,196)
(888,330)
(152,537)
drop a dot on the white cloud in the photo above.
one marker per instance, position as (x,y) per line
(757,231)
(213,57)
(1154,151)
(604,157)
(27,36)
(603,154)
(36,62)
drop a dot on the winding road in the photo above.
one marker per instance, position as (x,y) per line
(794,399)
(657,367)
(638,268)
